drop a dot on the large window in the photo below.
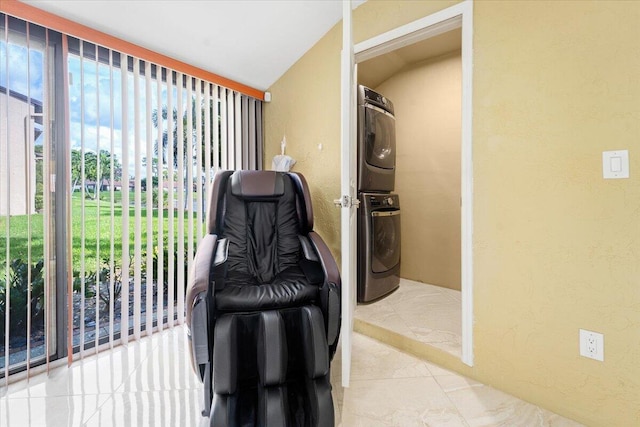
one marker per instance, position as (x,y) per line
(27,223)
(101,215)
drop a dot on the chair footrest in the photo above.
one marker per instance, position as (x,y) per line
(272,349)
(316,351)
(225,355)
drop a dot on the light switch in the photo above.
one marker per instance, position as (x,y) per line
(615,164)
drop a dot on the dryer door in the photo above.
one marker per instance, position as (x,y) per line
(379,138)
(385,253)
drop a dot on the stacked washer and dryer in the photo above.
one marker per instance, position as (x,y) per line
(379,213)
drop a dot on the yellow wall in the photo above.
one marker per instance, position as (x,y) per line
(556,247)
(427,101)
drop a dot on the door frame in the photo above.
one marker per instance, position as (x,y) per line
(348,200)
(457,16)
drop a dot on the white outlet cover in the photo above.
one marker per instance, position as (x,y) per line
(592,345)
(615,164)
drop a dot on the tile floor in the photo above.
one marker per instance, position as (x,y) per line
(150,383)
(429,314)
(145,383)
(391,388)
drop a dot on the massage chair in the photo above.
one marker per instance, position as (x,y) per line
(263,305)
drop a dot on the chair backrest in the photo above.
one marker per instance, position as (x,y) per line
(261,213)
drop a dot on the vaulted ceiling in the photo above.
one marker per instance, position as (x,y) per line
(250,41)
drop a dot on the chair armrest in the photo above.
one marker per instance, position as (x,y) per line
(327,261)
(200,274)
(198,301)
(330,292)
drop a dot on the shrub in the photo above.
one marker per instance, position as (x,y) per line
(19,297)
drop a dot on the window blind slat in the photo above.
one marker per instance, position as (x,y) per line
(98,188)
(149,202)
(259,136)
(112,198)
(251,120)
(199,111)
(49,270)
(207,139)
(245,133)
(231,131)
(160,172)
(188,156)
(223,129)
(170,229)
(181,200)
(83,187)
(126,237)
(137,233)
(216,129)
(238,132)
(28,166)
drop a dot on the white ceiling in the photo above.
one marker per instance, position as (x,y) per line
(253,42)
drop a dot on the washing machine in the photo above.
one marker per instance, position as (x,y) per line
(376,142)
(378,245)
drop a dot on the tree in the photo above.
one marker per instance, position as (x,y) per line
(92,170)
(190,143)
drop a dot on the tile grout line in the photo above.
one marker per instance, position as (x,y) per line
(446,393)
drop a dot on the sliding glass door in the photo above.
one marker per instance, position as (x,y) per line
(27,196)
(105,164)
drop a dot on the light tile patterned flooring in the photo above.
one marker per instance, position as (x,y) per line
(150,383)
(391,388)
(426,313)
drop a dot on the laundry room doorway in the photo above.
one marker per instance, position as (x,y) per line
(444,38)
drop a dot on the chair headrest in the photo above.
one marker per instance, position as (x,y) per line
(261,185)
(258,185)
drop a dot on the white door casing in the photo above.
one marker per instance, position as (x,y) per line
(459,15)
(348,190)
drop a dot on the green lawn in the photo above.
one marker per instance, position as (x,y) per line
(97,225)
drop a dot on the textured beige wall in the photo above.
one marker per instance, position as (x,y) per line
(305,107)
(427,101)
(556,247)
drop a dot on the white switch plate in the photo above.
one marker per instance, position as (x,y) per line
(592,345)
(615,164)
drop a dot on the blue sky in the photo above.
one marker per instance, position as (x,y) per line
(97,84)
(20,68)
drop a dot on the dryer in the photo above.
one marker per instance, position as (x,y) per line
(376,141)
(378,245)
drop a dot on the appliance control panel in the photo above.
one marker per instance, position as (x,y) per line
(382,201)
(375,98)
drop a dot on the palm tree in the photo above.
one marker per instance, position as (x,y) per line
(190,142)
(189,147)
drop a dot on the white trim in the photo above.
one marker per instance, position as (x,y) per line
(347,177)
(467,184)
(406,35)
(459,15)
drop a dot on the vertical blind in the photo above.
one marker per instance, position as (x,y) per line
(149,140)
(141,144)
(27,221)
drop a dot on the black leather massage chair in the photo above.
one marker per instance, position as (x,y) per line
(263,305)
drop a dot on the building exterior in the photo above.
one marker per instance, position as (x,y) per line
(17,136)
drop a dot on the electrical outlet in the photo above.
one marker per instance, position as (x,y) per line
(592,345)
